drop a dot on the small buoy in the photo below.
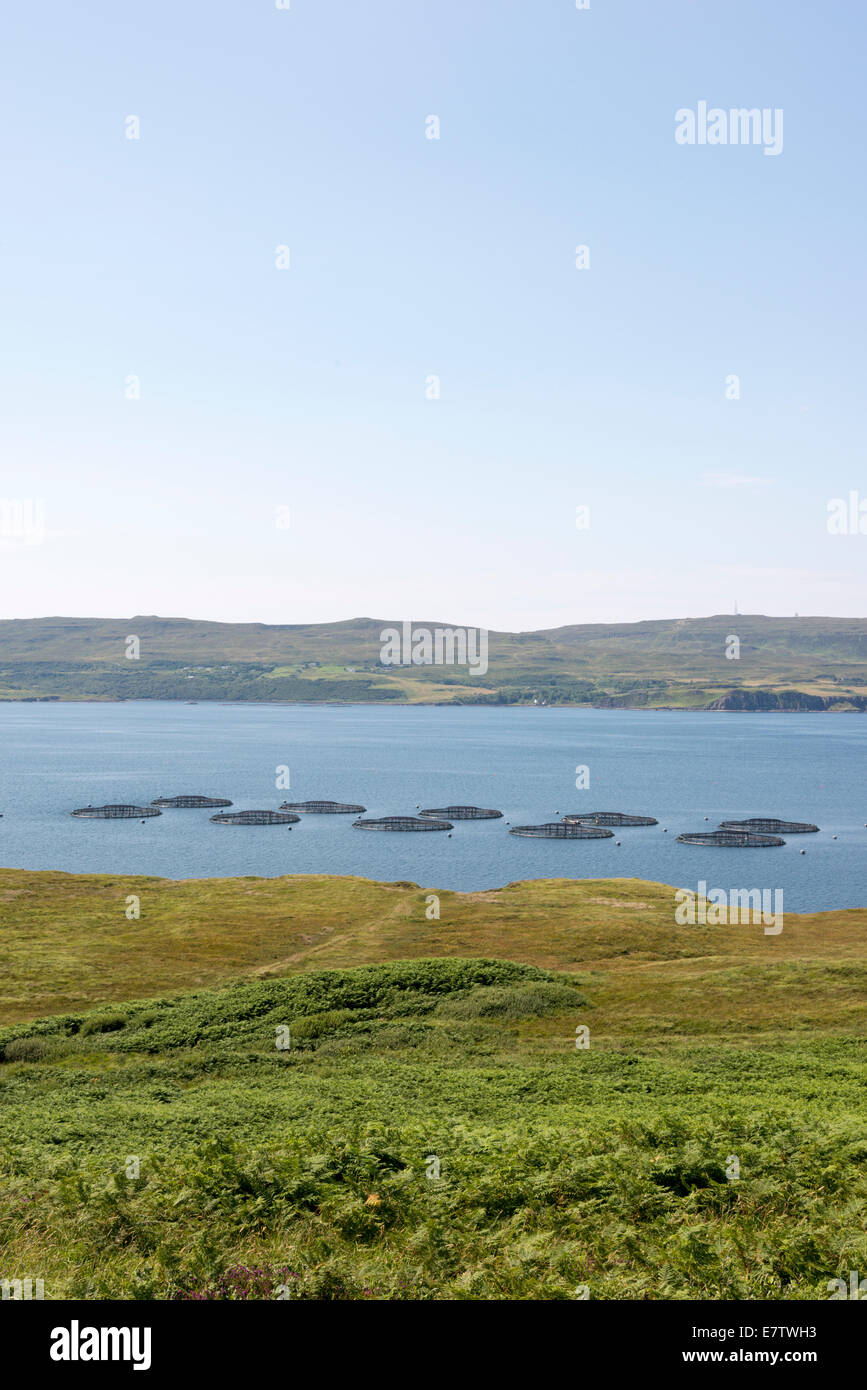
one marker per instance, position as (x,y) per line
(449,836)
(833,837)
(802,851)
(665,830)
(707,817)
(617,842)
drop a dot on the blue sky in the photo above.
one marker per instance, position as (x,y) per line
(304,388)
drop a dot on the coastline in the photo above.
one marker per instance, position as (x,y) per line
(846,706)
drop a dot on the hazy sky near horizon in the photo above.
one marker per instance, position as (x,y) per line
(306,388)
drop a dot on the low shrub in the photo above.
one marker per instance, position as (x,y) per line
(27,1050)
(317,1025)
(104,1023)
(511,1002)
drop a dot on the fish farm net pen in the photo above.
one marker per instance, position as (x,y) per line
(771,826)
(323,808)
(609,818)
(561,830)
(401,823)
(462,813)
(115,812)
(731,839)
(185,803)
(255,818)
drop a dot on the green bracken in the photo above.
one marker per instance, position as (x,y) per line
(425,1129)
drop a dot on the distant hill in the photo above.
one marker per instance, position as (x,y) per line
(783,663)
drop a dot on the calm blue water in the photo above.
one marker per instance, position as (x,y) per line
(679,767)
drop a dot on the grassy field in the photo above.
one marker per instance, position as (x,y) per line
(304,1086)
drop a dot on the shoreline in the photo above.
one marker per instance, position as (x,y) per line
(100,878)
(423,704)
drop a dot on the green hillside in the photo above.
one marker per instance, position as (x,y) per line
(784,663)
(422,1126)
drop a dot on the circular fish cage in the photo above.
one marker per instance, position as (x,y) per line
(768,825)
(610,818)
(562,830)
(323,808)
(401,823)
(730,839)
(183,803)
(255,818)
(115,812)
(462,813)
